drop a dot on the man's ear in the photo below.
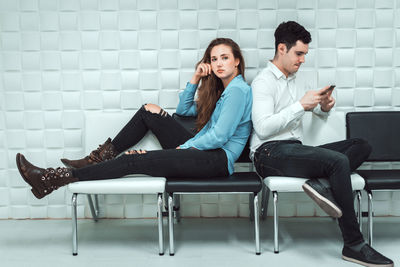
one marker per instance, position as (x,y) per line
(282,49)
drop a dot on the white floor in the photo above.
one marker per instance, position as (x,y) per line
(199,242)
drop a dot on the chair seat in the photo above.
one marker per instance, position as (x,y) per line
(131,184)
(381,179)
(293,184)
(237,182)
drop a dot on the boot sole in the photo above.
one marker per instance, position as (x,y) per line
(365,263)
(35,192)
(330,208)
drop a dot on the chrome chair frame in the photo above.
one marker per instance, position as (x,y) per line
(264,210)
(94,209)
(174,198)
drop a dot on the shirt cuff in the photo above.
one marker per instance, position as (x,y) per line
(185,145)
(191,87)
(318,110)
(298,109)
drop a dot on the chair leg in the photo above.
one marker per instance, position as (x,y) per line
(359,213)
(96,205)
(74,226)
(171,224)
(276,217)
(256,224)
(251,206)
(264,202)
(92,208)
(160,225)
(177,207)
(370,217)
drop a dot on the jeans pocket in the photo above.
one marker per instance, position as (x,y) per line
(266,149)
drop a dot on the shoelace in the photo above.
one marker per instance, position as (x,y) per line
(52,178)
(107,153)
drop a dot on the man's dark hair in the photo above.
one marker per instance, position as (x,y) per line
(289,33)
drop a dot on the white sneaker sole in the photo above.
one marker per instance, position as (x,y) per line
(324,203)
(366,264)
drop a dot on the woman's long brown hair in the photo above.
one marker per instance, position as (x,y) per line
(211,86)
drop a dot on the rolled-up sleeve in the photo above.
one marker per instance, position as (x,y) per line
(187,106)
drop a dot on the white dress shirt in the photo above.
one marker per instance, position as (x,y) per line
(277,112)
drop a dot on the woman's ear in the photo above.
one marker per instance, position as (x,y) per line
(237,62)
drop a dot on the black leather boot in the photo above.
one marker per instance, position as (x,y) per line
(43,181)
(104,152)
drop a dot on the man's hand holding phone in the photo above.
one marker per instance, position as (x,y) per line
(327,101)
(314,97)
(327,89)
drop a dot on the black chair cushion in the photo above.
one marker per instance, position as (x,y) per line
(237,182)
(381,179)
(380,129)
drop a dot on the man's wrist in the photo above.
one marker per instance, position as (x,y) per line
(324,109)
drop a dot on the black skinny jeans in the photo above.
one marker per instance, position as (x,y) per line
(169,162)
(334,160)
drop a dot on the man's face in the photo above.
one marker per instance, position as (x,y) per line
(292,59)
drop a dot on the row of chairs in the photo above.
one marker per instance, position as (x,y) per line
(316,131)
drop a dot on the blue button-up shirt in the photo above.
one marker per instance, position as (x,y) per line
(230,124)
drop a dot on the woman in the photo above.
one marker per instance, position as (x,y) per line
(223,109)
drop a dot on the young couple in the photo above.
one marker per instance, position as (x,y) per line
(224,106)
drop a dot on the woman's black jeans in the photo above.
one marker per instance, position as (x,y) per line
(169,162)
(334,160)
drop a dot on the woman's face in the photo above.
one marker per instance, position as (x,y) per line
(223,63)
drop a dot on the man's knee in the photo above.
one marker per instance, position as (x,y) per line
(153,108)
(341,160)
(366,147)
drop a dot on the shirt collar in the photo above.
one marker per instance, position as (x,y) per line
(278,73)
(234,80)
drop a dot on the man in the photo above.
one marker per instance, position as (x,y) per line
(276,149)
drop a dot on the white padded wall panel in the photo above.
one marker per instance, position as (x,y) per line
(62,59)
(32,81)
(68,21)
(110,80)
(33,120)
(169,39)
(34,139)
(147,20)
(49,40)
(89,20)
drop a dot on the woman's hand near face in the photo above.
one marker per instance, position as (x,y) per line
(202,70)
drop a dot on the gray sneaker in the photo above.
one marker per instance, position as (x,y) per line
(322,195)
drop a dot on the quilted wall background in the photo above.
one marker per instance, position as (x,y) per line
(60,60)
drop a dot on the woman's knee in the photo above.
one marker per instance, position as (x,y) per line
(153,108)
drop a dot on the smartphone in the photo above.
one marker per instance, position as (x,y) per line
(329,89)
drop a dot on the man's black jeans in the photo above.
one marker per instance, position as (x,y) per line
(335,161)
(168,162)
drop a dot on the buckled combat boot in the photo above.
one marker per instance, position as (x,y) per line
(43,181)
(104,152)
